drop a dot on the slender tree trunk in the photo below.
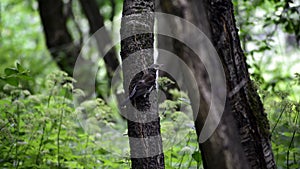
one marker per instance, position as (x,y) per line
(96,21)
(143,119)
(246,142)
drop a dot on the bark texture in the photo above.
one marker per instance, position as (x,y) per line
(246,105)
(242,139)
(144,134)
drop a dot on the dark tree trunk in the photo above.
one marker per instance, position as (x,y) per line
(246,142)
(143,119)
(58,39)
(96,21)
(246,105)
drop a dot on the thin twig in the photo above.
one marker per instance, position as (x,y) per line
(288,152)
(44,127)
(18,135)
(282,111)
(290,145)
(59,130)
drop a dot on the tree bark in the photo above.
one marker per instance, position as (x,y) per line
(58,39)
(246,142)
(143,119)
(96,21)
(246,105)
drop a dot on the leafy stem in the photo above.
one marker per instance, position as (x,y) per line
(59,130)
(44,127)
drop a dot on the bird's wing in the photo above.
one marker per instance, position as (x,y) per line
(132,92)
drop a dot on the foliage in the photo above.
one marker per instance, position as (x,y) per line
(178,132)
(42,130)
(269,32)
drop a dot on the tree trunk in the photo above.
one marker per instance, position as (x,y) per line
(58,39)
(137,56)
(245,143)
(246,105)
(96,21)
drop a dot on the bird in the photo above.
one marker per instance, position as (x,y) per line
(142,84)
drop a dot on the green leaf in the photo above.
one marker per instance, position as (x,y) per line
(20,68)
(4,102)
(25,77)
(103,151)
(14,81)
(10,71)
(197,156)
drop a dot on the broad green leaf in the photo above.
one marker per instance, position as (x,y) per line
(12,81)
(10,71)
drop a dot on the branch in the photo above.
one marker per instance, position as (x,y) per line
(96,21)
